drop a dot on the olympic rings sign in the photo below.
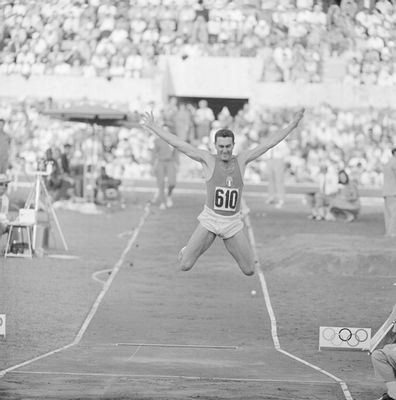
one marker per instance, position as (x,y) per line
(344,338)
(2,325)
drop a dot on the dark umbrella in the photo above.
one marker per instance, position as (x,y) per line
(94,116)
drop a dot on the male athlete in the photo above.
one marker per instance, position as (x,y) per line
(223,174)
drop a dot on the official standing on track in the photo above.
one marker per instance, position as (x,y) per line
(165,162)
(223,174)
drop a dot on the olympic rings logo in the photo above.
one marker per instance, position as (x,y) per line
(345,336)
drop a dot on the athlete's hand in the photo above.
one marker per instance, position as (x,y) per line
(299,116)
(148,119)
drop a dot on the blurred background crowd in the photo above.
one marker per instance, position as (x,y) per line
(295,39)
(356,140)
(125,38)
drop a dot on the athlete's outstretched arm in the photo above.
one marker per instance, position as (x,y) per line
(272,140)
(148,123)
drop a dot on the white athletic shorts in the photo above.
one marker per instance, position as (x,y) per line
(224,226)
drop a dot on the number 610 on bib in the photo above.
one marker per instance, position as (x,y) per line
(226,199)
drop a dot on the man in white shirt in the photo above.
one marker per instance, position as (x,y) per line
(276,174)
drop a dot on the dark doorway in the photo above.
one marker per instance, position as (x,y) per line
(216,104)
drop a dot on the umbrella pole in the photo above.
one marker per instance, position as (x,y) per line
(89,176)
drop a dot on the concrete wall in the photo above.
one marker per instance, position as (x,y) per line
(218,77)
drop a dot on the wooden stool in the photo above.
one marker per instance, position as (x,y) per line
(20,229)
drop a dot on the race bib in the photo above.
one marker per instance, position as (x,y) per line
(225,199)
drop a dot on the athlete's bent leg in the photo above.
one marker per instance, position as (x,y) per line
(199,242)
(239,247)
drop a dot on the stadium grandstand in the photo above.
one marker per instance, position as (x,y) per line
(253,62)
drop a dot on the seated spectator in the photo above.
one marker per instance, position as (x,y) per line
(72,169)
(346,201)
(107,189)
(59,187)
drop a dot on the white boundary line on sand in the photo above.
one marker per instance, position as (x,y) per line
(97,273)
(271,314)
(97,302)
(187,377)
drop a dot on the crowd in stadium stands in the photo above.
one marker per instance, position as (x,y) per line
(340,139)
(124,38)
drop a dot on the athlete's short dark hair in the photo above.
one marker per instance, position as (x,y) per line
(394,151)
(224,133)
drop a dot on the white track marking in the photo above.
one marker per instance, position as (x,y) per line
(126,233)
(113,274)
(187,346)
(50,353)
(271,314)
(134,353)
(95,275)
(95,306)
(187,377)
(63,256)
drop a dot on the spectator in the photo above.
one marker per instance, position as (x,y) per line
(389,193)
(276,172)
(203,119)
(107,188)
(58,187)
(318,200)
(164,162)
(4,148)
(346,201)
(4,204)
(184,124)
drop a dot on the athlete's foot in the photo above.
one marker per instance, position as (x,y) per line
(169,202)
(270,200)
(162,206)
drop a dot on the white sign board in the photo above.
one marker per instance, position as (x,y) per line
(344,338)
(2,325)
